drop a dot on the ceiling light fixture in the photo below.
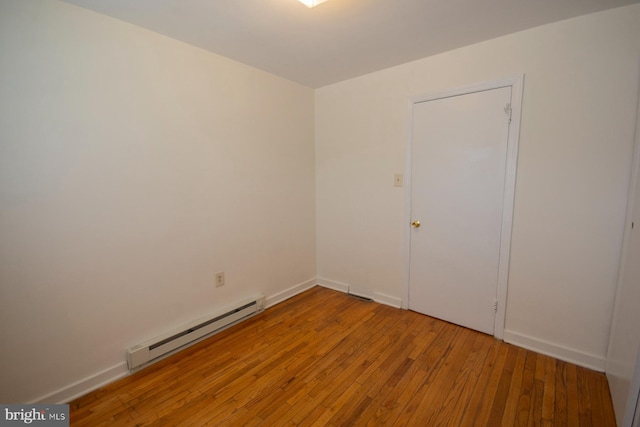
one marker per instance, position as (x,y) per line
(311,3)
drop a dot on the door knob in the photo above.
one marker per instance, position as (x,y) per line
(415,224)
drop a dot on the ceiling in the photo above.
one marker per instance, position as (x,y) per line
(338,39)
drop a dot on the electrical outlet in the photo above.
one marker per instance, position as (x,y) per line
(219,279)
(398,180)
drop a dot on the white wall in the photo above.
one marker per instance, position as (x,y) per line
(132,169)
(581,84)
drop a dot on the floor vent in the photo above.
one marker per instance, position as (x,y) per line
(160,347)
(360,297)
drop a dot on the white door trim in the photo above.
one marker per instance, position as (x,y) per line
(631,411)
(517,85)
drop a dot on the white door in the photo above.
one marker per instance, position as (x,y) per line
(458,167)
(623,356)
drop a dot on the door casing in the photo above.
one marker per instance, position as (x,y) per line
(517,85)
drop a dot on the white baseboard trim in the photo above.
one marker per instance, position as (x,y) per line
(387,300)
(84,386)
(330,284)
(377,296)
(586,360)
(288,293)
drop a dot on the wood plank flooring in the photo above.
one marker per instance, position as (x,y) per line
(327,359)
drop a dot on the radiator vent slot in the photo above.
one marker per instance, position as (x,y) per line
(160,347)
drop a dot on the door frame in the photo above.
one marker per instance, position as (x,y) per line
(631,415)
(517,86)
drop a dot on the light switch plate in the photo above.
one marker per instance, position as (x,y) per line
(398,180)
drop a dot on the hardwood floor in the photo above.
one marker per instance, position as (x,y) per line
(325,358)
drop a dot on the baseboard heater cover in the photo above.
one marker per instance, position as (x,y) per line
(155,349)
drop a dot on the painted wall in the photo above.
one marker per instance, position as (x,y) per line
(624,343)
(581,85)
(133,168)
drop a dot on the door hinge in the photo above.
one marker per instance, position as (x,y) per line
(508,111)
(495,305)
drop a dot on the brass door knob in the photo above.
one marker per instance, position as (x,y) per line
(415,224)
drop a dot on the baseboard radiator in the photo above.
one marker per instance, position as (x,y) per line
(160,347)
